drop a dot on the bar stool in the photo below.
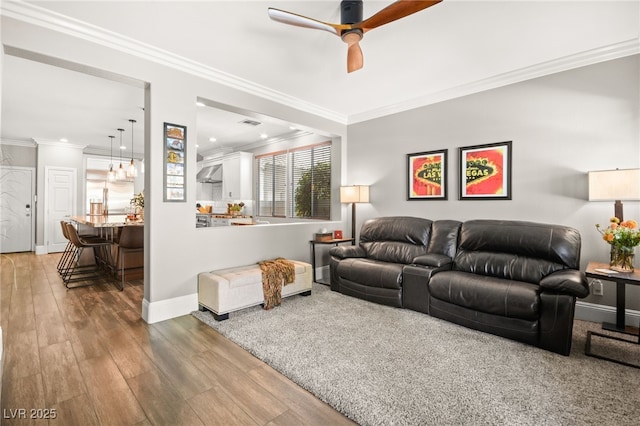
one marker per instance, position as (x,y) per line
(74,271)
(131,242)
(68,250)
(67,255)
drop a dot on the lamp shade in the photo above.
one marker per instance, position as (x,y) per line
(612,185)
(354,194)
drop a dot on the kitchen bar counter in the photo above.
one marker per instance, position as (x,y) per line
(101,221)
(108,227)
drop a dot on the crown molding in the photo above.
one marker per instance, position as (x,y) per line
(58,144)
(15,142)
(45,18)
(590,57)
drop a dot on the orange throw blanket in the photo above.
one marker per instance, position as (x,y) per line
(274,273)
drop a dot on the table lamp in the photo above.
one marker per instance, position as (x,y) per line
(615,185)
(354,194)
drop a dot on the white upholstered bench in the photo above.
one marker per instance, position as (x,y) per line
(227,290)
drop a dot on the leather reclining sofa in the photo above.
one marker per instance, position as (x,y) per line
(514,279)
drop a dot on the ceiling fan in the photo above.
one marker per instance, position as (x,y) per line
(352,28)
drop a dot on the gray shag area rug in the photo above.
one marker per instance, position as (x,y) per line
(387,366)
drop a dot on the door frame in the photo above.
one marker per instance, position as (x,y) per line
(32,225)
(74,203)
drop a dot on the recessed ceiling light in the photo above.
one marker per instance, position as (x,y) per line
(200,104)
(264,135)
(212,139)
(64,140)
(292,128)
(122,147)
(197,146)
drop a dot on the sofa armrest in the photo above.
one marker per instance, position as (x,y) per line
(568,281)
(344,252)
(433,260)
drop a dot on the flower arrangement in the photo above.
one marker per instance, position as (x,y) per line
(138,200)
(623,234)
(623,237)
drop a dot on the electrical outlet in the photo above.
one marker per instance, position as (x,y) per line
(596,288)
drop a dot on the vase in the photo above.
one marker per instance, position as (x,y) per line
(621,258)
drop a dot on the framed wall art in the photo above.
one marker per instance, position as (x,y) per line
(485,172)
(175,151)
(427,175)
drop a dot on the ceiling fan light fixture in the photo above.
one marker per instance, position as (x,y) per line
(352,36)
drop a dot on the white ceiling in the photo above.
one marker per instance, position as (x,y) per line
(450,49)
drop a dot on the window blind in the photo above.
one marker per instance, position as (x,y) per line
(295,183)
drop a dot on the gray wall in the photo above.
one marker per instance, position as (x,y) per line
(562,126)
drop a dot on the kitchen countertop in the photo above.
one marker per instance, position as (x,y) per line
(224,216)
(101,221)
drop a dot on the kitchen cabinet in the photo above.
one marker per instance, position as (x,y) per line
(237,176)
(217,221)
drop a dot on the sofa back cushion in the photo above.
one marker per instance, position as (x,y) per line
(444,237)
(396,239)
(516,250)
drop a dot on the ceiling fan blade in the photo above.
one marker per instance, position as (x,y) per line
(355,59)
(304,22)
(393,12)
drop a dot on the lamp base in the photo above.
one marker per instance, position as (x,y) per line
(353,221)
(617,209)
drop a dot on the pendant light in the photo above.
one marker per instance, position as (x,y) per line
(121,174)
(111,176)
(131,170)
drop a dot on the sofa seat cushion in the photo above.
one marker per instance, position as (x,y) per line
(496,296)
(373,273)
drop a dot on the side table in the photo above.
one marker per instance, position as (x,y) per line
(601,271)
(333,242)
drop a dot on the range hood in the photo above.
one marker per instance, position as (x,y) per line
(210,174)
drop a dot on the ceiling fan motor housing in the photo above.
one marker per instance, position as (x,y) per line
(350,13)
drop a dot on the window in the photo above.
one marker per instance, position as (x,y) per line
(295,183)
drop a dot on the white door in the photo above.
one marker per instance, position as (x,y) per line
(16,209)
(60,203)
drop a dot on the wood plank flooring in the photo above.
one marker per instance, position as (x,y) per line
(85,357)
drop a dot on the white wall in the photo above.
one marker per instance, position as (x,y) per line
(175,250)
(562,126)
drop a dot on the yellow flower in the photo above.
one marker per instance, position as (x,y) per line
(614,220)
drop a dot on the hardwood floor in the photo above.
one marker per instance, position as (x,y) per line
(85,357)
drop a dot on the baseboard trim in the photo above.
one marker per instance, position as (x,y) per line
(602,313)
(41,250)
(169,308)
